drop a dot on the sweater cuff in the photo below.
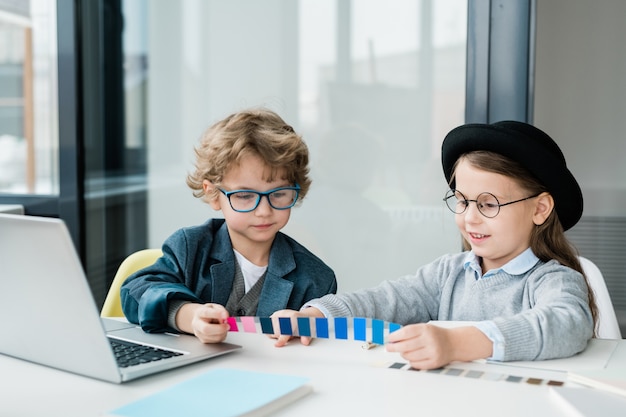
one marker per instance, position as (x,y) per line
(173,308)
(319,306)
(330,306)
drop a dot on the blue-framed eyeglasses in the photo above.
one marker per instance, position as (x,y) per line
(244,201)
(487,203)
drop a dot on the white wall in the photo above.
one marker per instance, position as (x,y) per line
(580,95)
(580,100)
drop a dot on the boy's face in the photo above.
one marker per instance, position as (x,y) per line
(251,233)
(501,238)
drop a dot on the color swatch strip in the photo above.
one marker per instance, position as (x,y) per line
(476,374)
(342,328)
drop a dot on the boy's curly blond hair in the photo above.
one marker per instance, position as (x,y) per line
(259,132)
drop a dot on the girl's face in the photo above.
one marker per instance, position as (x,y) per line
(251,233)
(499,239)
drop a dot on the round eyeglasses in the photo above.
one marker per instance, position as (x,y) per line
(244,201)
(487,203)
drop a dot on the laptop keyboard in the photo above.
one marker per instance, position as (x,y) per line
(129,353)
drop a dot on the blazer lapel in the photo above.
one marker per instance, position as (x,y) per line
(222,273)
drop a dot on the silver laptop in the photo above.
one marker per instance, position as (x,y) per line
(49,315)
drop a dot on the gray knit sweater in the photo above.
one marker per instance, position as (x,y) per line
(542,314)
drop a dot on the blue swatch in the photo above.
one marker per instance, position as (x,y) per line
(341,328)
(393,327)
(378,331)
(285,326)
(266,325)
(321,326)
(359,328)
(304,326)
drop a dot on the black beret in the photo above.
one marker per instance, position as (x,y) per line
(530,147)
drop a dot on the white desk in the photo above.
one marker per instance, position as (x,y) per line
(347,379)
(11,208)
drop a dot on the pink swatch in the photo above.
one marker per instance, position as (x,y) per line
(232,322)
(248,324)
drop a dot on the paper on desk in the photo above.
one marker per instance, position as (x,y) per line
(585,402)
(595,356)
(612,380)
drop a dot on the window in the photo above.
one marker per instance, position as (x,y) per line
(28,98)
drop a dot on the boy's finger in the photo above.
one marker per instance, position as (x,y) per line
(282,341)
(213,312)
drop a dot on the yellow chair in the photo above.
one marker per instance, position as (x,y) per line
(112,306)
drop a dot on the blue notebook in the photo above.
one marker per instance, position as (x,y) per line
(221,393)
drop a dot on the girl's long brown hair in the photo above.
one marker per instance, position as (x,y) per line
(548,240)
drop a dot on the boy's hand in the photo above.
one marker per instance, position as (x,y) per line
(206,321)
(293,315)
(426,346)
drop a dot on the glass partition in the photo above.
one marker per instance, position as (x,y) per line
(373,87)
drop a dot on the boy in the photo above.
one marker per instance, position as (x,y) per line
(254,168)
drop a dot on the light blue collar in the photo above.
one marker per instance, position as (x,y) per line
(519,265)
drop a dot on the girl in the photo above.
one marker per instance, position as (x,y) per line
(519,281)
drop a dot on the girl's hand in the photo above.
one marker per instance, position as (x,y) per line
(427,346)
(293,315)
